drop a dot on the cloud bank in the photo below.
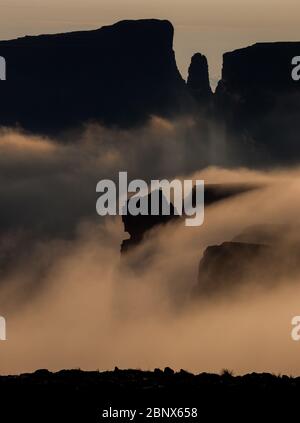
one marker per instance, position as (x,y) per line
(71,301)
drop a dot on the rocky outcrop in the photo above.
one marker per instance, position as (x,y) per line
(262,255)
(198,79)
(227,266)
(118,74)
(138,226)
(260,102)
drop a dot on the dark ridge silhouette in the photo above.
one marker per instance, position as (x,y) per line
(119,74)
(138,226)
(260,102)
(251,257)
(74,395)
(229,265)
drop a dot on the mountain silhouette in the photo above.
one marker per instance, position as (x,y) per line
(119,74)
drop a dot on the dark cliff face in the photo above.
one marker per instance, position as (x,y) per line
(259,100)
(229,266)
(263,66)
(118,74)
(262,255)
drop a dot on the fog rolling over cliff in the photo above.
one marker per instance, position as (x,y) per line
(73,303)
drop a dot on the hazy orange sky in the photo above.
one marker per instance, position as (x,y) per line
(208,26)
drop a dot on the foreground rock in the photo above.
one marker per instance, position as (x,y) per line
(79,396)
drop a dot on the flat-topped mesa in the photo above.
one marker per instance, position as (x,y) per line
(260,101)
(119,74)
(265,66)
(198,79)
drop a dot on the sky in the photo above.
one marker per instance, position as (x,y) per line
(209,26)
